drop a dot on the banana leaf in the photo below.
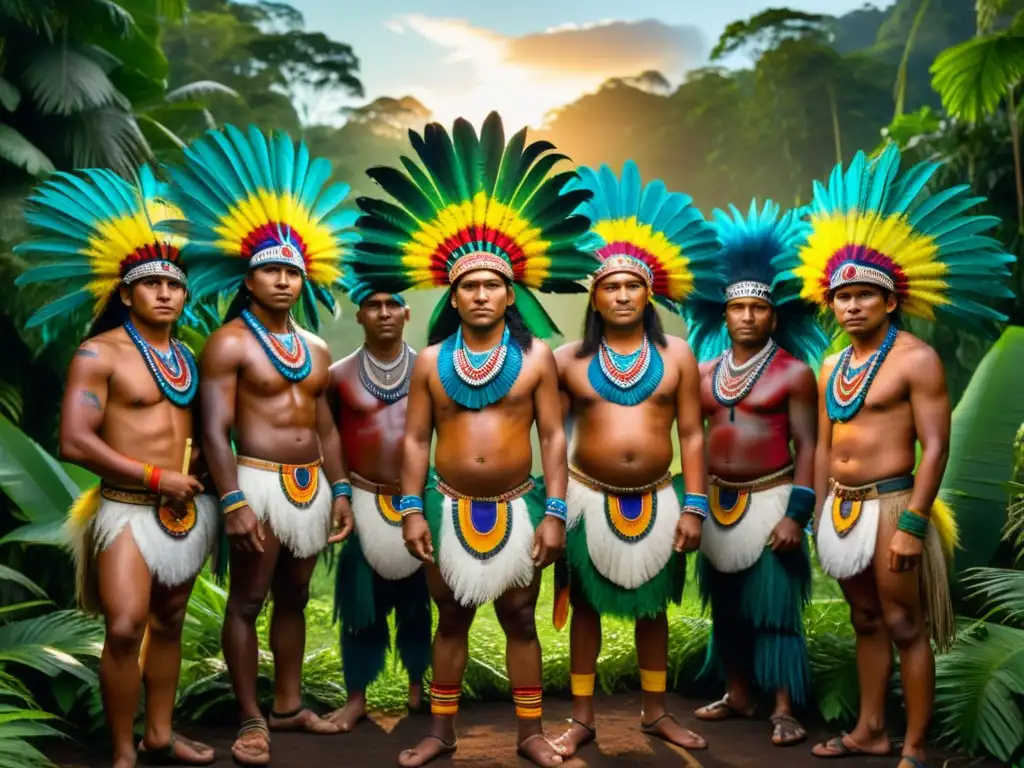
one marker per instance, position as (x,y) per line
(980,464)
(31,478)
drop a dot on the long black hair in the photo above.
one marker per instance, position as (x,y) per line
(112,316)
(448,322)
(593,330)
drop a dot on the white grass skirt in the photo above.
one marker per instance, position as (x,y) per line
(734,536)
(379,525)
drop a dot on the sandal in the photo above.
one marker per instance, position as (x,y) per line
(648,730)
(165,755)
(914,762)
(720,710)
(838,749)
(253,740)
(787,731)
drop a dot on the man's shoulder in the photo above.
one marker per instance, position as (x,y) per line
(679,348)
(916,355)
(345,366)
(791,365)
(230,338)
(100,351)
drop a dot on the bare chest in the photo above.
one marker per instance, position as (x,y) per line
(769,396)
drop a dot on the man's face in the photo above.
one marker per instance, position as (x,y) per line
(275,287)
(620,299)
(481,298)
(382,317)
(750,321)
(862,309)
(155,300)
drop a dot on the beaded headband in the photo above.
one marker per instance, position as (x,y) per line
(851,273)
(159,268)
(622,263)
(480,260)
(278,254)
(749,289)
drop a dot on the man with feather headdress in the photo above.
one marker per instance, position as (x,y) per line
(485,220)
(140,537)
(624,385)
(376,573)
(264,227)
(879,244)
(760,401)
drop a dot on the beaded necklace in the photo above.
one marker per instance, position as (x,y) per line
(174,370)
(477,379)
(848,386)
(388,382)
(287,351)
(732,382)
(626,379)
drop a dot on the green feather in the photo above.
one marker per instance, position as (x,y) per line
(396,184)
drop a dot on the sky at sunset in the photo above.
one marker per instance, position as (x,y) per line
(525,57)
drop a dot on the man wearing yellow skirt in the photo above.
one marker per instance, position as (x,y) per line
(880,245)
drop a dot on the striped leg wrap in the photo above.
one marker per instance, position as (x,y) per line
(444,699)
(528,702)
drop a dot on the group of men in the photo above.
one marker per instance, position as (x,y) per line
(267,446)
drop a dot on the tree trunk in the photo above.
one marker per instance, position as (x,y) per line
(1015,138)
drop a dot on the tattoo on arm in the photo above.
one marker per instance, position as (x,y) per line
(90,398)
(86,352)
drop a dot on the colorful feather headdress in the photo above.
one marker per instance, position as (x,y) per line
(658,235)
(97,233)
(359,290)
(879,226)
(477,203)
(252,201)
(749,244)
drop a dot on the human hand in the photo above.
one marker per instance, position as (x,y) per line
(416,534)
(905,552)
(341,520)
(548,541)
(785,536)
(244,530)
(688,531)
(179,487)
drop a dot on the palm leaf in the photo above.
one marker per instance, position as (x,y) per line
(31,478)
(108,137)
(10,96)
(973,77)
(201,89)
(19,151)
(1001,589)
(52,643)
(62,80)
(11,401)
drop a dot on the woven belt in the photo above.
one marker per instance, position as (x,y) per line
(778,477)
(520,490)
(270,466)
(379,489)
(128,496)
(871,490)
(597,485)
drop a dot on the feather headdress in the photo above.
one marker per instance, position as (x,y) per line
(876,225)
(749,245)
(97,232)
(477,203)
(359,290)
(648,231)
(250,201)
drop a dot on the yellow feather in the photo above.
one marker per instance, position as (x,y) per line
(85,506)
(944,520)
(667,255)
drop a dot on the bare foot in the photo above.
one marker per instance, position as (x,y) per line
(845,746)
(539,751)
(429,749)
(723,709)
(252,746)
(349,716)
(304,720)
(127,760)
(786,730)
(178,751)
(579,735)
(667,728)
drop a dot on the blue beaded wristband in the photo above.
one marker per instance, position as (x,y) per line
(800,508)
(556,508)
(232,500)
(696,504)
(410,505)
(341,488)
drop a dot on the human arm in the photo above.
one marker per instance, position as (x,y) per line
(419,429)
(823,448)
(930,408)
(690,426)
(334,463)
(549,539)
(86,394)
(221,364)
(803,428)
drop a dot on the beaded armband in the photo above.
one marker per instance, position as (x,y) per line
(151,477)
(800,508)
(232,501)
(341,488)
(411,505)
(913,523)
(556,508)
(696,504)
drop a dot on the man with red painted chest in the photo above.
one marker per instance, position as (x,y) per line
(375,573)
(759,400)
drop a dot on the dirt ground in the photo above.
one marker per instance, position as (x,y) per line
(487,740)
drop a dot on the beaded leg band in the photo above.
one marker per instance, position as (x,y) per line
(528,703)
(653,681)
(582,685)
(444,699)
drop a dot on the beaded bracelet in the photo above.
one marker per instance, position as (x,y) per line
(232,500)
(341,488)
(800,508)
(151,477)
(411,505)
(696,504)
(556,508)
(914,524)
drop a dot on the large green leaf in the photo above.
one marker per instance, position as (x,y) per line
(63,80)
(19,151)
(32,478)
(48,533)
(973,77)
(981,449)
